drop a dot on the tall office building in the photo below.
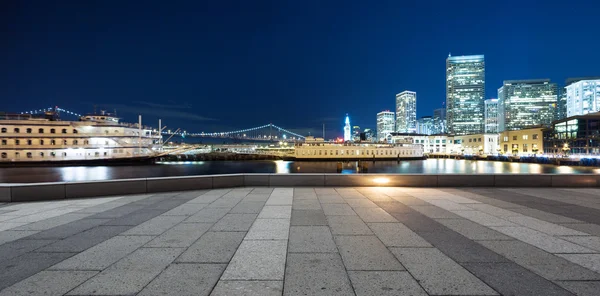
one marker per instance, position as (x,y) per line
(491,115)
(526,103)
(465,91)
(385,124)
(583,96)
(406,112)
(425,125)
(356,133)
(347,135)
(561,105)
(439,121)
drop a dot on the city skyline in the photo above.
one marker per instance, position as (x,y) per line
(201,72)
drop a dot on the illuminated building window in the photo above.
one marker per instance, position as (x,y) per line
(75,142)
(65,142)
(4,155)
(535,136)
(525,147)
(53,154)
(52,142)
(525,137)
(29,155)
(3,130)
(514,138)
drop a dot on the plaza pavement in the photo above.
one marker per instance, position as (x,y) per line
(306,241)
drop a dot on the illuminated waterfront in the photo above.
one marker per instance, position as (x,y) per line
(430,166)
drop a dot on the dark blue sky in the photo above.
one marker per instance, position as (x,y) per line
(220,65)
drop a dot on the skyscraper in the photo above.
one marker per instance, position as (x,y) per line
(385,124)
(347,135)
(583,96)
(356,133)
(561,110)
(425,125)
(465,90)
(406,112)
(526,103)
(439,121)
(491,115)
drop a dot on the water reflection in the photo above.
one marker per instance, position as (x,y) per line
(429,166)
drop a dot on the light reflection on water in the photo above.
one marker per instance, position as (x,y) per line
(429,166)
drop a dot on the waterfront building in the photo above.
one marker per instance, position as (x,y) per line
(385,124)
(317,149)
(367,135)
(439,121)
(526,103)
(475,144)
(356,133)
(433,143)
(523,142)
(347,136)
(583,96)
(578,135)
(465,92)
(406,112)
(425,125)
(491,115)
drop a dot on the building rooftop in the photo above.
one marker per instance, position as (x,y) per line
(306,241)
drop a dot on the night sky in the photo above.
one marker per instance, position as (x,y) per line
(225,65)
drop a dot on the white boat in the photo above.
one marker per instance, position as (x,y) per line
(95,138)
(317,149)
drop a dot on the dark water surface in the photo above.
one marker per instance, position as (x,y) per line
(429,166)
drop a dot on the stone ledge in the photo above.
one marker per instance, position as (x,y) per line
(62,190)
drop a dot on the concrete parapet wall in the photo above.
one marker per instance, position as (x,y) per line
(62,190)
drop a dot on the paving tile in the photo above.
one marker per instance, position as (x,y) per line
(248,288)
(494,211)
(103,254)
(308,217)
(338,210)
(394,207)
(68,229)
(483,218)
(509,278)
(234,222)
(438,274)
(118,212)
(331,199)
(279,200)
(258,260)
(546,265)
(581,288)
(262,190)
(155,226)
(374,215)
(84,240)
(130,274)
(449,205)
(13,235)
(589,261)
(375,283)
(473,230)
(256,197)
(418,222)
(306,204)
(545,216)
(316,274)
(348,225)
(460,248)
(55,282)
(591,242)
(541,240)
(248,207)
(543,226)
(22,267)
(185,279)
(588,228)
(365,253)
(410,200)
(53,222)
(181,236)
(276,212)
(361,203)
(397,235)
(186,209)
(434,212)
(213,247)
(135,218)
(224,202)
(306,239)
(269,229)
(207,215)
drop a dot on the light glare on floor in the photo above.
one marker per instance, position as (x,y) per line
(381,180)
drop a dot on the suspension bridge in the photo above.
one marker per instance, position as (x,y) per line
(267,132)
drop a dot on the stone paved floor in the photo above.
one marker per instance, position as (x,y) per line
(305,241)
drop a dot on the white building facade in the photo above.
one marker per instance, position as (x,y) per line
(583,96)
(491,115)
(385,124)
